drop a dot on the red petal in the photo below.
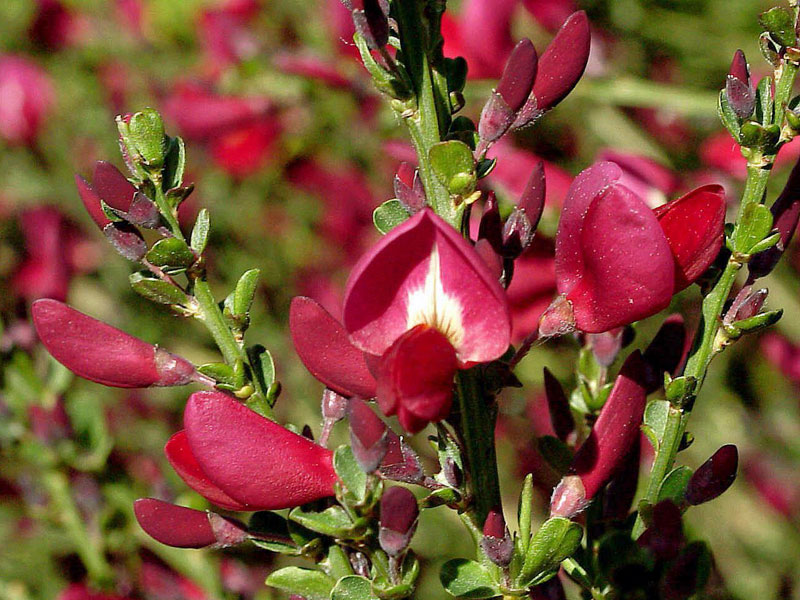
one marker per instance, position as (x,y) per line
(694,225)
(101,353)
(173,525)
(376,306)
(325,349)
(415,378)
(180,456)
(252,459)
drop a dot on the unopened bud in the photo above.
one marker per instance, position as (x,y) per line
(738,87)
(491,226)
(183,527)
(558,319)
(748,303)
(496,117)
(408,188)
(399,512)
(621,490)
(400,463)
(558,406)
(664,537)
(497,544)
(367,435)
(126,240)
(606,346)
(334,406)
(714,476)
(518,233)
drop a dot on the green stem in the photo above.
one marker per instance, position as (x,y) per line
(212,317)
(478,415)
(88,547)
(167,211)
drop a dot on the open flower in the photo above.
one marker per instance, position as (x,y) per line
(618,261)
(240,460)
(424,301)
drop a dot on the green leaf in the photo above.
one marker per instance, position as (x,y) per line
(764,102)
(351,475)
(219,372)
(389,215)
(728,117)
(337,564)
(171,253)
(174,163)
(445,495)
(557,454)
(245,291)
(485,167)
(767,243)
(778,22)
(200,231)
(674,485)
(464,578)
(146,131)
(263,366)
(353,587)
(332,521)
(270,531)
(754,323)
(655,421)
(383,79)
(557,539)
(524,514)
(311,584)
(453,164)
(680,388)
(156,290)
(756,224)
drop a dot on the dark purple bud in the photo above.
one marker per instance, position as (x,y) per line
(408,188)
(785,214)
(400,463)
(368,437)
(183,527)
(747,304)
(714,476)
(518,75)
(518,233)
(398,520)
(664,538)
(497,544)
(533,196)
(560,68)
(602,454)
(739,88)
(491,225)
(558,406)
(621,490)
(371,22)
(665,352)
(552,589)
(126,240)
(496,117)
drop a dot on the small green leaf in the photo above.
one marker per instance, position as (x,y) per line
(557,539)
(389,215)
(764,102)
(146,131)
(445,495)
(174,163)
(263,366)
(557,454)
(156,290)
(768,50)
(728,117)
(337,564)
(780,25)
(767,243)
(200,231)
(674,485)
(452,160)
(171,253)
(353,587)
(680,388)
(383,79)
(524,514)
(332,521)
(485,167)
(655,419)
(245,292)
(351,475)
(218,372)
(756,224)
(464,578)
(311,584)
(757,322)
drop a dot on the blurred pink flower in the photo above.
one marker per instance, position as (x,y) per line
(225,34)
(55,26)
(26,99)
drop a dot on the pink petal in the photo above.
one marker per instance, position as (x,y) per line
(422,264)
(173,525)
(254,460)
(415,378)
(101,353)
(180,456)
(695,228)
(613,261)
(324,347)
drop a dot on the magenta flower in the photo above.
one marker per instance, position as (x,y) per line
(424,301)
(26,99)
(101,353)
(242,461)
(617,261)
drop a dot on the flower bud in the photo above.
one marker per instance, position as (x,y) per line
(747,304)
(183,527)
(785,213)
(408,188)
(606,346)
(400,463)
(398,520)
(558,406)
(738,87)
(714,476)
(126,240)
(490,228)
(687,574)
(368,437)
(497,544)
(521,225)
(603,453)
(334,406)
(103,354)
(664,538)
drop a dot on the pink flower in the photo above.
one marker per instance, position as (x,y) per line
(26,99)
(101,353)
(242,461)
(225,36)
(424,301)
